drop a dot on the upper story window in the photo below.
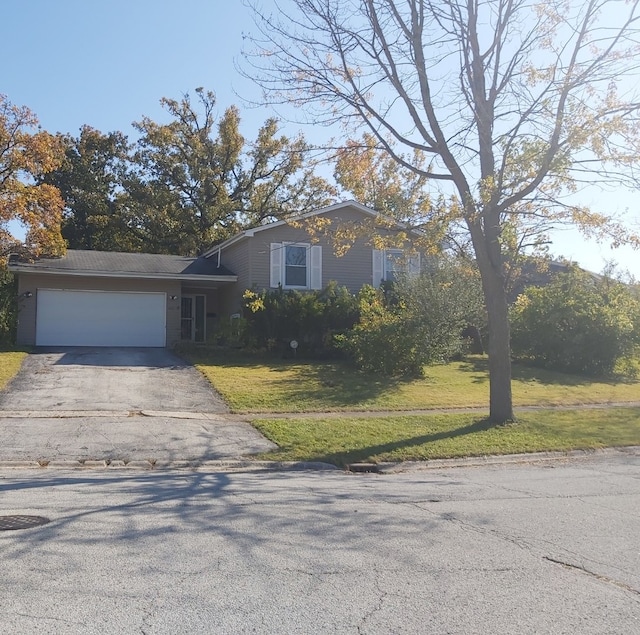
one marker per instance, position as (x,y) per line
(296,266)
(389,264)
(394,264)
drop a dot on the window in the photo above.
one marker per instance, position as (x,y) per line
(388,264)
(394,264)
(296,266)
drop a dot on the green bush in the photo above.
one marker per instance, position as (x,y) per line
(8,307)
(579,323)
(381,341)
(312,318)
(415,321)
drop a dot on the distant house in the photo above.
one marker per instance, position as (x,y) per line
(91,298)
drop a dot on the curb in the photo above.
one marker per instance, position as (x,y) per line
(247,465)
(153,465)
(506,459)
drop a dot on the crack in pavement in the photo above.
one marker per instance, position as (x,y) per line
(44,617)
(593,574)
(530,547)
(382,595)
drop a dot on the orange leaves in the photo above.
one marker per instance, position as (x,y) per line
(25,156)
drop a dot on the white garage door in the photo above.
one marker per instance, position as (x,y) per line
(100,318)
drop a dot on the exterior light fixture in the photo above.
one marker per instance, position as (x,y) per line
(173,297)
(27,294)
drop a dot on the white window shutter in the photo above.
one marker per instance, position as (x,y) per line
(413,268)
(378,267)
(275,277)
(315,255)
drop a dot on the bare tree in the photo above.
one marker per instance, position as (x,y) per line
(517,103)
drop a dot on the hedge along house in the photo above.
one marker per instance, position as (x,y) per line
(91,298)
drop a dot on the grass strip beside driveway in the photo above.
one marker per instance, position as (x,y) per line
(252,384)
(346,440)
(10,363)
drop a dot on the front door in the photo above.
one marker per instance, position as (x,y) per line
(192,318)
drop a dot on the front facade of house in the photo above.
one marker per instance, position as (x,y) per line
(113,299)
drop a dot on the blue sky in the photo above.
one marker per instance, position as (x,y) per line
(107,63)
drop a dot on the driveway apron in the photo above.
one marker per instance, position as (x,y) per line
(117,404)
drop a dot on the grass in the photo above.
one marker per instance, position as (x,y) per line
(345,440)
(260,385)
(10,363)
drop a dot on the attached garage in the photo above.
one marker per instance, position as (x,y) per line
(111,298)
(100,318)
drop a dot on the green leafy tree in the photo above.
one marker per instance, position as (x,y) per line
(197,181)
(578,323)
(90,181)
(516,104)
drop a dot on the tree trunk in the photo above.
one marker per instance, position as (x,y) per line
(500,399)
(485,237)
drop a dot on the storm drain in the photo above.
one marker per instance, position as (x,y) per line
(18,521)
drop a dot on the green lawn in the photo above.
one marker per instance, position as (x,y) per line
(10,362)
(415,438)
(255,385)
(261,385)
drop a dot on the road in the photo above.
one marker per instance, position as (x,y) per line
(549,547)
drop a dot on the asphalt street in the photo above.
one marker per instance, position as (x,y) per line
(547,547)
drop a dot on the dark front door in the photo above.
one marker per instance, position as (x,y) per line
(192,318)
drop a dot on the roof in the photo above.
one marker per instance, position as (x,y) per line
(248,233)
(115,264)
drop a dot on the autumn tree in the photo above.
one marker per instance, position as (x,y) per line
(516,104)
(196,180)
(374,178)
(26,154)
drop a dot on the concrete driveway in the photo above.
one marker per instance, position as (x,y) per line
(117,404)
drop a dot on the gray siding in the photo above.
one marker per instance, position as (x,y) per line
(353,270)
(33,282)
(238,259)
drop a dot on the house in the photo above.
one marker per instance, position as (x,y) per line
(91,298)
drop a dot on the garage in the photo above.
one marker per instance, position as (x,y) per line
(100,318)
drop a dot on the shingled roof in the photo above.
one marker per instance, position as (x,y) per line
(118,264)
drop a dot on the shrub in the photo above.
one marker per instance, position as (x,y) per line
(379,342)
(415,321)
(275,317)
(579,323)
(8,307)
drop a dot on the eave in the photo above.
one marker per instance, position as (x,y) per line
(121,274)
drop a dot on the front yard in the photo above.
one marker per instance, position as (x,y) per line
(266,386)
(261,385)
